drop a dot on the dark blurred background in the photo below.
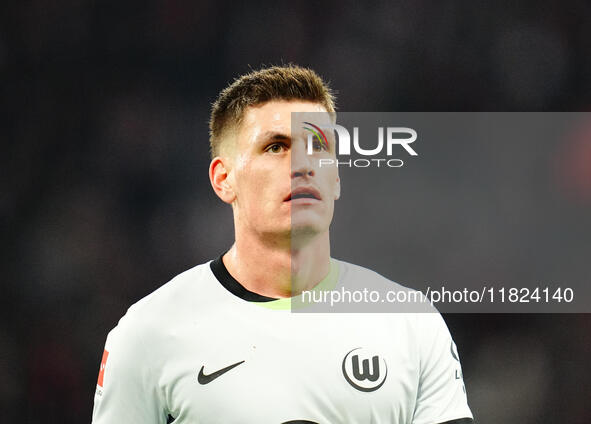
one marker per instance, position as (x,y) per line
(105,194)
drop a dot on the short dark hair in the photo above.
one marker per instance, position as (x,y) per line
(289,82)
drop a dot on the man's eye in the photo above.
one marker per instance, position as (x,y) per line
(318,146)
(276,148)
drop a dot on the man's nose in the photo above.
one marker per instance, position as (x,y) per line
(301,162)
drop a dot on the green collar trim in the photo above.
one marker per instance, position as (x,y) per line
(327,284)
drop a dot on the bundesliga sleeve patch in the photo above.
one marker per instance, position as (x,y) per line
(102,368)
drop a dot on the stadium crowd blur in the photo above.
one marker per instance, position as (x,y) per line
(105,194)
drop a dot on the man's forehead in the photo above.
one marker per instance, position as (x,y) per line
(277,115)
(271,117)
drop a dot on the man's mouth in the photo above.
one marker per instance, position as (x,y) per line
(303,193)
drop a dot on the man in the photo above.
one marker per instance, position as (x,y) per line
(217,344)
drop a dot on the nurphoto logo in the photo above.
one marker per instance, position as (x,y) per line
(390,139)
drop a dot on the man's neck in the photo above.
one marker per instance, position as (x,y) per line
(278,269)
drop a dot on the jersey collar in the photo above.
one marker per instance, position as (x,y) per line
(233,286)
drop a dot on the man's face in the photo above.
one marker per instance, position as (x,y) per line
(278,187)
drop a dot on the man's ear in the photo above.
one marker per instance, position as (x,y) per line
(219,177)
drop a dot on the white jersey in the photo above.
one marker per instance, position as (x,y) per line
(194,352)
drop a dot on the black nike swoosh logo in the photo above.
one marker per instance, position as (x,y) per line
(203,378)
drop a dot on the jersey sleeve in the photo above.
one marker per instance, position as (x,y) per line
(441,395)
(126,391)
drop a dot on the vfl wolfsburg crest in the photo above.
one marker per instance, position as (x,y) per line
(364,371)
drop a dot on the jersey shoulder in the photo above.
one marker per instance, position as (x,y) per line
(190,291)
(387,295)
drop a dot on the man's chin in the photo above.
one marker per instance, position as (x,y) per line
(303,233)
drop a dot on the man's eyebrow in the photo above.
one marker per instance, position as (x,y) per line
(274,135)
